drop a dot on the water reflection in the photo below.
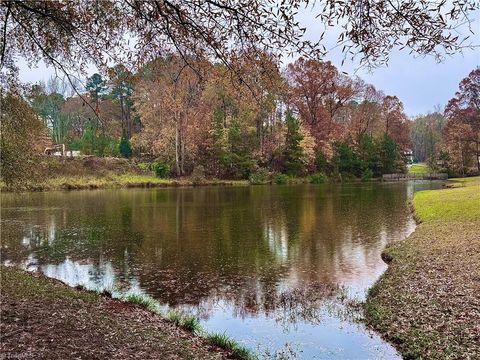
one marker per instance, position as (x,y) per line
(242,258)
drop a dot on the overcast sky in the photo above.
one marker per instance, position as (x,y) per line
(420,83)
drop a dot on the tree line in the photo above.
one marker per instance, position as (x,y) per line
(449,140)
(240,114)
(307,118)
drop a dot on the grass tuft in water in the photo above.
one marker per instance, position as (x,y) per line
(223,341)
(175,317)
(191,323)
(188,322)
(143,300)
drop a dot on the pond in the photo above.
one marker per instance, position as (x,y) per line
(274,267)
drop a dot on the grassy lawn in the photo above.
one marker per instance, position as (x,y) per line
(456,204)
(428,301)
(113,180)
(469,181)
(419,168)
(116,181)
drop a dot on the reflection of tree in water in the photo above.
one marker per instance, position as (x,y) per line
(253,247)
(307,303)
(303,303)
(82,229)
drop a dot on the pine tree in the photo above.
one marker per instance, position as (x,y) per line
(388,154)
(124,147)
(293,153)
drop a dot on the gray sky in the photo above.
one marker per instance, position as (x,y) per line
(420,83)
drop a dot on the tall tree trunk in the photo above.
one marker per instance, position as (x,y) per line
(182,163)
(478,156)
(181,143)
(177,149)
(123,114)
(129,122)
(461,157)
(260,133)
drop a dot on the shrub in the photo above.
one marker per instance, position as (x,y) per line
(259,177)
(75,144)
(471,172)
(367,174)
(198,174)
(318,178)
(144,166)
(282,179)
(112,148)
(160,169)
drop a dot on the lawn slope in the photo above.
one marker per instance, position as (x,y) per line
(419,168)
(428,301)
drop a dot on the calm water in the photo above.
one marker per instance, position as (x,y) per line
(263,263)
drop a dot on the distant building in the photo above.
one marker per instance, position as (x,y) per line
(408,154)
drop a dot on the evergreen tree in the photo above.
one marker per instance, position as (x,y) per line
(49,107)
(124,147)
(388,151)
(95,85)
(368,154)
(219,140)
(293,153)
(346,160)
(239,155)
(122,89)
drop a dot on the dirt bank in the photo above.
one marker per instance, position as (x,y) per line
(42,318)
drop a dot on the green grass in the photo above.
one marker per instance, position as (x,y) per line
(175,316)
(419,168)
(191,323)
(112,180)
(133,178)
(101,181)
(467,181)
(223,341)
(188,322)
(459,203)
(142,300)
